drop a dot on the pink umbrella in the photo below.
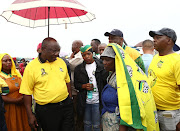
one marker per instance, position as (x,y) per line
(35,13)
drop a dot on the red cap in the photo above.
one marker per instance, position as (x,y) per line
(39,46)
(14,58)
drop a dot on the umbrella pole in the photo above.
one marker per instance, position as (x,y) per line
(48,19)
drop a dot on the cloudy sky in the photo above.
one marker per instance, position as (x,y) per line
(135,18)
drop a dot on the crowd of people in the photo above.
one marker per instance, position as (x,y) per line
(109,87)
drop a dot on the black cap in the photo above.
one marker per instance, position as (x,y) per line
(165,31)
(114,32)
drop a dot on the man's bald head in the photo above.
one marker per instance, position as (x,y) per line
(101,48)
(77,43)
(148,44)
(148,47)
(76,46)
(50,49)
(47,41)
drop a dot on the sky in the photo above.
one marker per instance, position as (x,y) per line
(135,18)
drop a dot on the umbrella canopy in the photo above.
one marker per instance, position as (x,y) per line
(36,13)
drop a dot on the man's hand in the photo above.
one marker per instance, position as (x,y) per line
(123,128)
(31,118)
(33,122)
(20,100)
(88,86)
(69,89)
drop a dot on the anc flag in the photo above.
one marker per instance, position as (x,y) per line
(136,103)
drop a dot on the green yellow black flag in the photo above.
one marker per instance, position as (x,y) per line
(135,98)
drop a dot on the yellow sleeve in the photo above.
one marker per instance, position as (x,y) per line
(133,53)
(177,72)
(2,83)
(67,79)
(4,89)
(27,83)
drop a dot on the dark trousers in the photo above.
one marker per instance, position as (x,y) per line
(78,122)
(2,118)
(56,116)
(2,121)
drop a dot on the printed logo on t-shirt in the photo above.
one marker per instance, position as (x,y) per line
(43,72)
(90,79)
(152,76)
(17,84)
(61,69)
(159,64)
(93,73)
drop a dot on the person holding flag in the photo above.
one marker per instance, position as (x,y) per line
(127,98)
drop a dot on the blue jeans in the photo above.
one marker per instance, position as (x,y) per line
(92,117)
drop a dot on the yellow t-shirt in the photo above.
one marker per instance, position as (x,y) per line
(4,89)
(135,55)
(164,73)
(46,81)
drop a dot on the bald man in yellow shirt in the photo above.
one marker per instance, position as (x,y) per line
(46,77)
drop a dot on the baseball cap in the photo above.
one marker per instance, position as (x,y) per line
(165,31)
(114,32)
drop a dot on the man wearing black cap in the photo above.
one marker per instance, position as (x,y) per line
(164,71)
(116,36)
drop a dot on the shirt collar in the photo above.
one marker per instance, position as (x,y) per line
(124,46)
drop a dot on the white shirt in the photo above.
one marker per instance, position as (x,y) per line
(73,63)
(91,69)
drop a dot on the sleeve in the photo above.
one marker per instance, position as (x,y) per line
(77,82)
(67,78)
(28,81)
(74,62)
(105,74)
(4,89)
(177,72)
(69,71)
(68,66)
(140,63)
